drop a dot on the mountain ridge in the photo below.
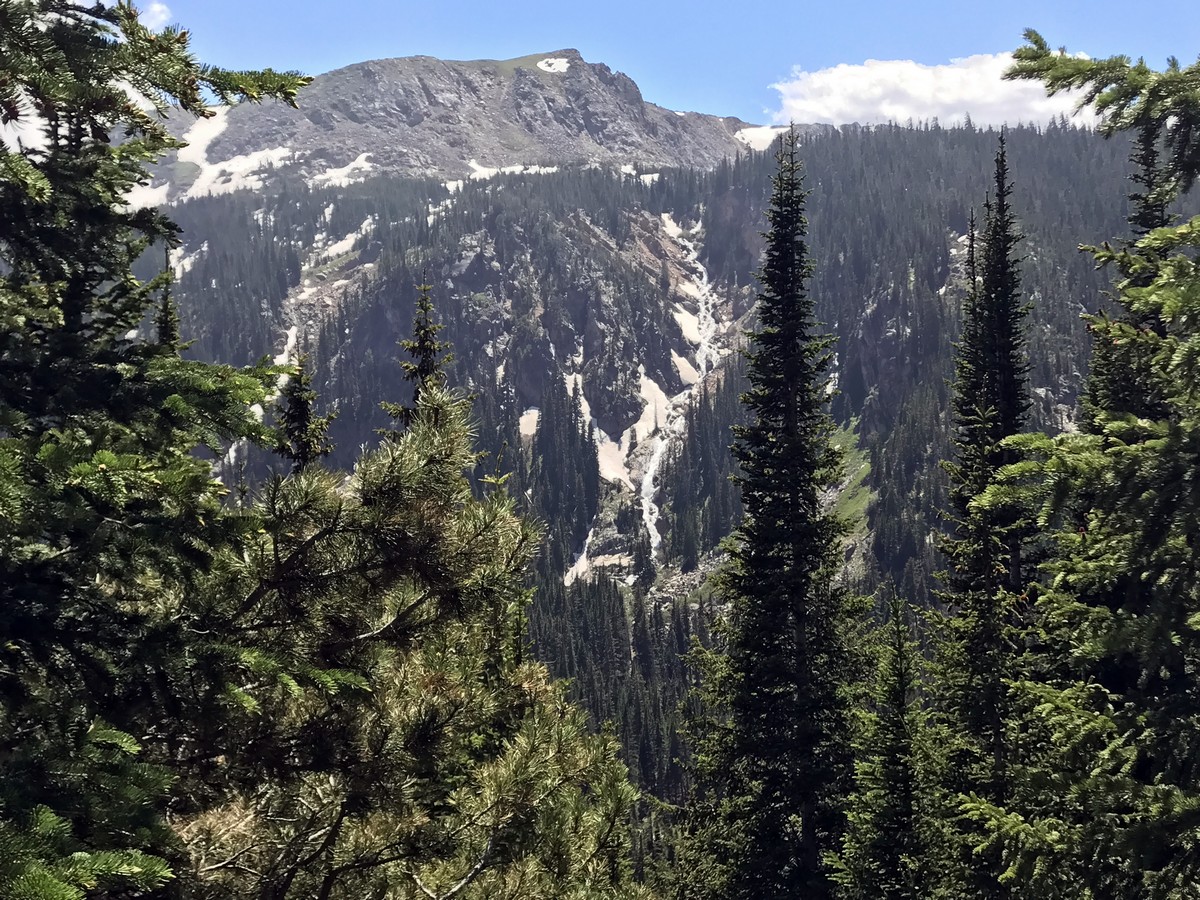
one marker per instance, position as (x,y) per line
(452,119)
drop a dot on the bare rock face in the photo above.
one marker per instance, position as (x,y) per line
(425,116)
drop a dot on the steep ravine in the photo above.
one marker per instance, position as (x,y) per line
(707,354)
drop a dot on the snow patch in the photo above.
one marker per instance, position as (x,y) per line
(346,175)
(481,173)
(627,169)
(478,171)
(671,227)
(201,134)
(612,458)
(687,372)
(555,64)
(656,407)
(240,173)
(649,178)
(437,210)
(657,423)
(699,328)
(529,422)
(235,174)
(611,455)
(346,244)
(582,564)
(662,419)
(688,323)
(760,137)
(143,196)
(289,347)
(182,262)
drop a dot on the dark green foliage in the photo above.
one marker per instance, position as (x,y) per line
(1104,803)
(1122,376)
(566,475)
(108,505)
(702,502)
(429,357)
(303,435)
(789,662)
(166,317)
(333,668)
(977,652)
(527,280)
(888,850)
(381,731)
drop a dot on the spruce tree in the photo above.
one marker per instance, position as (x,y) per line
(1105,804)
(303,435)
(789,654)
(978,649)
(887,852)
(166,316)
(429,357)
(1121,373)
(109,508)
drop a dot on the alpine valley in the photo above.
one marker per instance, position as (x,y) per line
(592,257)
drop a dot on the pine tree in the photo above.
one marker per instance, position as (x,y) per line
(166,316)
(429,358)
(386,736)
(1121,374)
(789,653)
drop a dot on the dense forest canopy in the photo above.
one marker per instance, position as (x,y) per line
(822,524)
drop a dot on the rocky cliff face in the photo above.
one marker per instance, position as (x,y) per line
(450,119)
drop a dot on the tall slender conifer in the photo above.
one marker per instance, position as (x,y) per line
(984,551)
(789,652)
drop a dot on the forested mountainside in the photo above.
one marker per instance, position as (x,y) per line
(597,316)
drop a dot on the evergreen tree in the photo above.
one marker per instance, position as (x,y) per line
(1105,805)
(166,316)
(887,852)
(978,650)
(385,736)
(108,507)
(789,655)
(303,436)
(429,359)
(1121,373)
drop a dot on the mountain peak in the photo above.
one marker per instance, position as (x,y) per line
(421,115)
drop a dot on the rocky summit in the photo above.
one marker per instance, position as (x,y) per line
(453,119)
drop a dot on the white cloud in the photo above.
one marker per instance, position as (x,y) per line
(897,90)
(155,15)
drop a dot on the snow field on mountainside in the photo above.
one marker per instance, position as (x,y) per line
(611,455)
(760,137)
(345,176)
(234,174)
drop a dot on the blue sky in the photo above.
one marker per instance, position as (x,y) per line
(720,58)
